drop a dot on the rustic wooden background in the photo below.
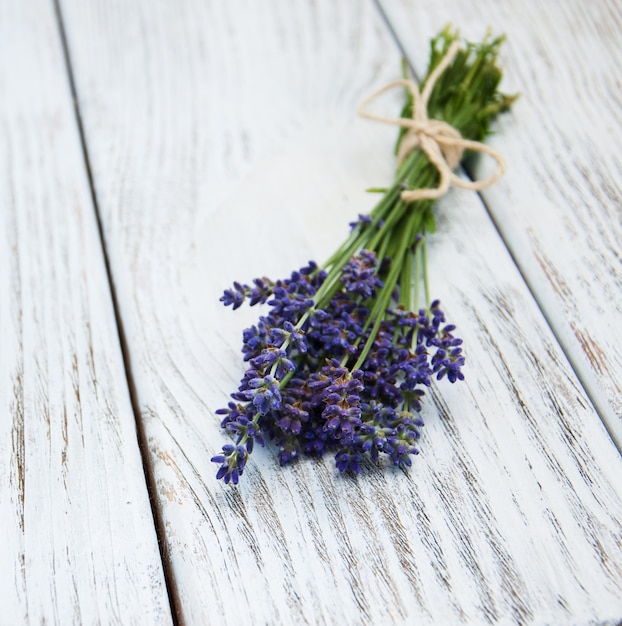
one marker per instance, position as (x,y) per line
(153,151)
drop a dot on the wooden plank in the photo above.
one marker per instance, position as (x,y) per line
(224,144)
(78,543)
(559,207)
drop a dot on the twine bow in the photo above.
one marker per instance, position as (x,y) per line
(438,140)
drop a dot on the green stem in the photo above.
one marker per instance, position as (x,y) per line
(417,255)
(426,284)
(385,295)
(405,282)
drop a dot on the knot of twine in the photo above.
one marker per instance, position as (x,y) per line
(438,140)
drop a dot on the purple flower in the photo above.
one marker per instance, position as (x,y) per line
(256,295)
(348,461)
(359,276)
(232,462)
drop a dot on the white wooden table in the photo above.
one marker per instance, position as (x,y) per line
(151,153)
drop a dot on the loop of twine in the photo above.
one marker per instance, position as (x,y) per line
(438,140)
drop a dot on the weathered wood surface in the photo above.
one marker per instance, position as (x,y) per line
(559,208)
(223,145)
(78,543)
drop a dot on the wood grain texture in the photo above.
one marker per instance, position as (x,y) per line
(78,544)
(224,145)
(559,207)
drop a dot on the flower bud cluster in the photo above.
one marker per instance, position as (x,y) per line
(300,390)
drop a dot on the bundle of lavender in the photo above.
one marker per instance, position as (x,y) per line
(342,357)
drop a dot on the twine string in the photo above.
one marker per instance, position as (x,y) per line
(438,140)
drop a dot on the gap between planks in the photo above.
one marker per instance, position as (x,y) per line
(143,444)
(468,172)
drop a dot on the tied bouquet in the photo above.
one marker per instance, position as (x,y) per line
(342,356)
